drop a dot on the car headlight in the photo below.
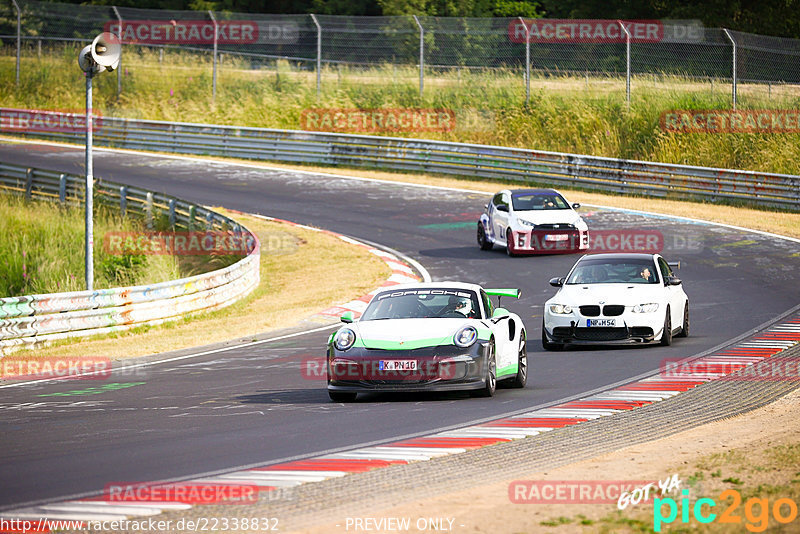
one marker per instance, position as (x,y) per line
(560,309)
(465,337)
(527,223)
(344,339)
(645,308)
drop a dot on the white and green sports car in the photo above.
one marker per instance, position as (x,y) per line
(441,336)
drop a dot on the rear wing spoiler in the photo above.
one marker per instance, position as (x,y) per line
(514,293)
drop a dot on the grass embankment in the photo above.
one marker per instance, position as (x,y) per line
(302,272)
(42,244)
(567,114)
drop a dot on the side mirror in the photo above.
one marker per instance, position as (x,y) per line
(347,317)
(486,206)
(576,205)
(557,282)
(502,207)
(674,281)
(499,313)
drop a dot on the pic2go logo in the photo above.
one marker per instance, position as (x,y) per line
(756,511)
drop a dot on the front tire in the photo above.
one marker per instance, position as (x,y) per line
(491,374)
(666,336)
(510,243)
(483,240)
(685,328)
(342,396)
(522,364)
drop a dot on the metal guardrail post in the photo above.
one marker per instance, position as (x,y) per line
(733,68)
(627,63)
(123,200)
(319,53)
(62,188)
(192,215)
(527,61)
(19,35)
(148,209)
(119,35)
(421,56)
(172,213)
(28,184)
(214,61)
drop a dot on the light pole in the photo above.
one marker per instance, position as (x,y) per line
(103,54)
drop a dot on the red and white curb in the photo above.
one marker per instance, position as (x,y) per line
(753,350)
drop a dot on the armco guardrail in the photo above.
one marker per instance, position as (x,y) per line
(33,319)
(416,155)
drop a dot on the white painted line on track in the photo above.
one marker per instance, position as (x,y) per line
(179,358)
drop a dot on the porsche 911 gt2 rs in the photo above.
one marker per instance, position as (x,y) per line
(428,337)
(616,298)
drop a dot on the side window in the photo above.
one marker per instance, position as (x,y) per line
(666,272)
(498,199)
(487,304)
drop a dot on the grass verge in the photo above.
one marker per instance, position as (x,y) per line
(565,113)
(302,272)
(46,253)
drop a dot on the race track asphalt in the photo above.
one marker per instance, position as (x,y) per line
(252,405)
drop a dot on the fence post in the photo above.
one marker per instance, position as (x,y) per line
(19,35)
(627,63)
(214,72)
(119,35)
(733,70)
(527,61)
(319,53)
(421,55)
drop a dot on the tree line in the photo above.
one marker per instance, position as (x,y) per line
(768,17)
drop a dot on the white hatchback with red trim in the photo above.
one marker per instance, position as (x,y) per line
(532,221)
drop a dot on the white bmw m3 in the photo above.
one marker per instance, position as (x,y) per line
(616,298)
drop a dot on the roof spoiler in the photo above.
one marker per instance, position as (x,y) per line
(514,293)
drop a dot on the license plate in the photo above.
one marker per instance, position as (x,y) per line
(556,237)
(601,322)
(398,365)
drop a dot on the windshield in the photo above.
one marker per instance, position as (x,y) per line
(538,201)
(621,271)
(423,303)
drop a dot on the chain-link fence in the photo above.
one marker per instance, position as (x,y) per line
(321,50)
